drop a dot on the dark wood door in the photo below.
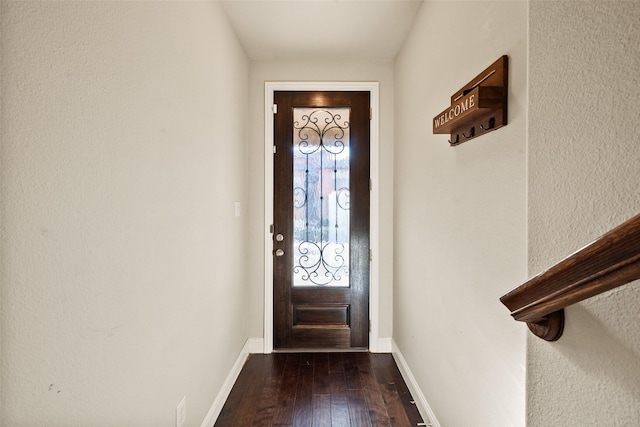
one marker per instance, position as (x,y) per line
(321,220)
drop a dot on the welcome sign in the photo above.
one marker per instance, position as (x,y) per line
(479,107)
(457,111)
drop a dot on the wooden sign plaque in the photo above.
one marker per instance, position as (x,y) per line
(479,107)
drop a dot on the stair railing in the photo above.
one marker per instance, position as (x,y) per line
(610,261)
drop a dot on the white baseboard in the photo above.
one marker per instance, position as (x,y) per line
(421,402)
(255,345)
(385,345)
(223,394)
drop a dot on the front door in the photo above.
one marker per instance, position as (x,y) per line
(321,220)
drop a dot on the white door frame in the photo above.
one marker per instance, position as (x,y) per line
(270,88)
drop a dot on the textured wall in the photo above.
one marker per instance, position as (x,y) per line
(584,163)
(460,217)
(262,71)
(123,151)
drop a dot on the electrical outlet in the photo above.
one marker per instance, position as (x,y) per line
(181,412)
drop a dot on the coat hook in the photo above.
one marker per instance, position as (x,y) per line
(471,132)
(456,141)
(492,123)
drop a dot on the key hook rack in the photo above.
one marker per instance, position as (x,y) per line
(478,107)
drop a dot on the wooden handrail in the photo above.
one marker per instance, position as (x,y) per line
(610,261)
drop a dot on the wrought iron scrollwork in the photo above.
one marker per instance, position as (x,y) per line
(321,263)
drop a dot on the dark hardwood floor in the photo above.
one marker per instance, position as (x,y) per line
(319,389)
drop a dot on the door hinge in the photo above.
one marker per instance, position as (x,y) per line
(271,229)
(370,255)
(275,149)
(369,325)
(274,108)
(370,185)
(370,113)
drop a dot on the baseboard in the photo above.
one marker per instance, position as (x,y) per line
(421,402)
(385,345)
(221,398)
(255,345)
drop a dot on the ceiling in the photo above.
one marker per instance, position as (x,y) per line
(321,29)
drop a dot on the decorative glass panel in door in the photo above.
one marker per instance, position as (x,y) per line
(321,196)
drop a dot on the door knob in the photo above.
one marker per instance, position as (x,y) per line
(279,237)
(279,252)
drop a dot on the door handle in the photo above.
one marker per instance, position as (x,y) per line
(279,252)
(279,237)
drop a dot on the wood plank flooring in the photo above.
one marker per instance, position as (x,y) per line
(319,390)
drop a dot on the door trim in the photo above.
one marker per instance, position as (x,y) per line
(372,88)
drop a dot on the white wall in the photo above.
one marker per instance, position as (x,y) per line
(460,217)
(584,163)
(123,151)
(262,71)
